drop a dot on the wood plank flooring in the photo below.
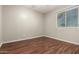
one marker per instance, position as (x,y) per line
(41,45)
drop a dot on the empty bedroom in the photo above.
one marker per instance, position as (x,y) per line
(39,29)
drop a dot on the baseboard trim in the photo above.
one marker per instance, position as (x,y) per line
(38,37)
(63,40)
(22,39)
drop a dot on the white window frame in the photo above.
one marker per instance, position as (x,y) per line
(65,10)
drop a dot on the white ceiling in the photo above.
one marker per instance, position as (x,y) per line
(43,8)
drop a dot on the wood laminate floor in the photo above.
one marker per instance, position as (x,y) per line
(41,45)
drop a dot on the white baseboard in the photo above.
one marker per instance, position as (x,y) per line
(63,40)
(40,36)
(27,38)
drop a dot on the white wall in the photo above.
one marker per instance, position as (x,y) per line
(65,34)
(20,22)
(0,25)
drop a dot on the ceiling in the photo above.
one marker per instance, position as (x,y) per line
(43,8)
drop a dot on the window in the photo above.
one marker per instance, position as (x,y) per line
(72,18)
(68,18)
(61,19)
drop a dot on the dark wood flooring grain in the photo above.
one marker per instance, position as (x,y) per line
(41,45)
